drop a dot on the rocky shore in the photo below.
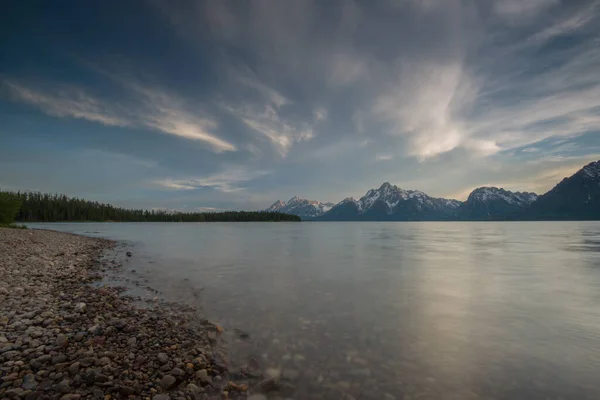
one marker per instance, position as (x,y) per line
(63,338)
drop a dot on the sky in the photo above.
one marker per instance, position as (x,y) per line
(210,105)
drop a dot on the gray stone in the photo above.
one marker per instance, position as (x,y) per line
(257,397)
(194,389)
(61,358)
(74,369)
(163,358)
(29,382)
(44,359)
(62,341)
(202,376)
(162,396)
(70,396)
(177,372)
(131,342)
(167,382)
(64,386)
(103,361)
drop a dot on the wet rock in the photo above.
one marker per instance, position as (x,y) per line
(74,368)
(167,382)
(63,386)
(29,382)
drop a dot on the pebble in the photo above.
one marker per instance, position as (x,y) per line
(29,382)
(63,386)
(202,376)
(62,338)
(163,358)
(62,341)
(167,381)
(61,358)
(74,368)
(71,396)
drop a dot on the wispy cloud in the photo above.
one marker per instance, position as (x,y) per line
(228,181)
(566,25)
(147,107)
(422,106)
(267,121)
(67,101)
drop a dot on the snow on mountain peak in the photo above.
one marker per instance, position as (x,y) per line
(489,193)
(592,170)
(304,208)
(276,206)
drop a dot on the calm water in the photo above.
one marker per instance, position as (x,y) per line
(391,310)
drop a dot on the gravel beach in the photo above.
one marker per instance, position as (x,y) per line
(63,338)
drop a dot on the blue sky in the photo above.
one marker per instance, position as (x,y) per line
(232,105)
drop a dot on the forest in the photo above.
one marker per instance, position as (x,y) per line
(44,207)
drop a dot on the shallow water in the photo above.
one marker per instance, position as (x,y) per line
(390,310)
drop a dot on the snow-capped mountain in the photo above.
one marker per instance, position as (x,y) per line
(574,198)
(495,203)
(392,203)
(304,208)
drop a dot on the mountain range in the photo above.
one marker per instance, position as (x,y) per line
(305,209)
(574,198)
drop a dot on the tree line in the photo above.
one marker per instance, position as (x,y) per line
(45,207)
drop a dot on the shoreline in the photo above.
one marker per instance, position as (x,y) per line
(63,338)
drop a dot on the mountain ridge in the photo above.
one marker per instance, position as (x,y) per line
(575,197)
(304,208)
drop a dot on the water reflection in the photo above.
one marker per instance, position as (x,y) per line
(393,310)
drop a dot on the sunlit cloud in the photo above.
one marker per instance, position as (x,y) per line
(282,133)
(151,108)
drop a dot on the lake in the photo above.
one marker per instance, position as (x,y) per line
(390,310)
